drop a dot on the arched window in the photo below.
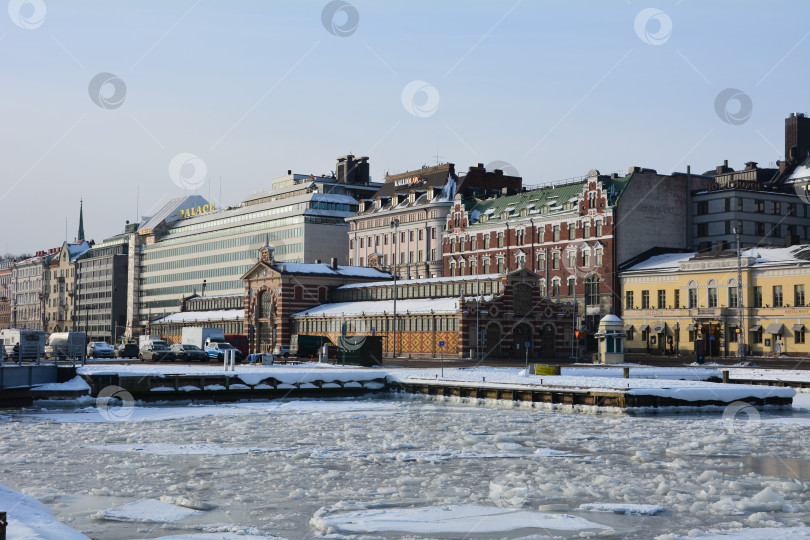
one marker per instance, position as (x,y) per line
(693,297)
(712,294)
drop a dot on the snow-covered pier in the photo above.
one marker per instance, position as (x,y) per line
(593,388)
(575,387)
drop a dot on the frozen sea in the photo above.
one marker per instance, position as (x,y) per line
(404,467)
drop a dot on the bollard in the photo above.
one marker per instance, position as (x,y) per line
(725,376)
(626,373)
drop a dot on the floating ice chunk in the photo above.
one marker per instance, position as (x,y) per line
(450,519)
(770,533)
(623,508)
(549,452)
(150,510)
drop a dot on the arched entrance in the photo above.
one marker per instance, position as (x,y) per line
(492,340)
(547,342)
(265,324)
(521,335)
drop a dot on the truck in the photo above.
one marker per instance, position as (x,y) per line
(23,344)
(201,336)
(239,342)
(145,340)
(66,345)
(303,345)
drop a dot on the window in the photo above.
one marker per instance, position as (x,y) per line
(541,261)
(598,227)
(728,205)
(739,204)
(732,297)
(556,233)
(693,303)
(519,237)
(645,299)
(702,208)
(361,242)
(677,302)
(555,287)
(486,241)
(759,207)
(421,232)
(628,300)
(474,243)
(662,299)
(500,265)
(776,231)
(555,260)
(757,293)
(791,209)
(776,208)
(572,259)
(586,259)
(592,289)
(486,266)
(798,336)
(599,252)
(572,231)
(798,296)
(500,239)
(571,286)
(760,229)
(777,296)
(732,332)
(703,229)
(587,229)
(712,294)
(756,336)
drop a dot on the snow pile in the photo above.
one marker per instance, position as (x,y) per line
(76,384)
(785,533)
(466,519)
(29,519)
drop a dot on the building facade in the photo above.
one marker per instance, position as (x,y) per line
(101,288)
(29,287)
(5,294)
(402,225)
(61,286)
(689,303)
(275,290)
(572,235)
(477,317)
(191,243)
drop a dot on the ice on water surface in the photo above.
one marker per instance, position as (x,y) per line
(300,469)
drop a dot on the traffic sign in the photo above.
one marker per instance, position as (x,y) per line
(528,344)
(441,344)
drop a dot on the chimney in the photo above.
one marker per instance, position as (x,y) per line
(289,171)
(751,166)
(333,263)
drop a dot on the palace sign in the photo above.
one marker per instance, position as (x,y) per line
(186,213)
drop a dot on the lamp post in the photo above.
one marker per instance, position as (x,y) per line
(395,226)
(740,315)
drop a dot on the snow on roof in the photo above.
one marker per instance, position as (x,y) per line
(319,268)
(216,296)
(419,305)
(667,261)
(195,316)
(329,197)
(482,277)
(802,171)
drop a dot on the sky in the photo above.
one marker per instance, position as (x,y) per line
(127,104)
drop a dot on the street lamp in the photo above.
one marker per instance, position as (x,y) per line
(395,226)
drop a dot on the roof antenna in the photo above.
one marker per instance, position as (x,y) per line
(437,156)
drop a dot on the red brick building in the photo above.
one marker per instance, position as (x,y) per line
(274,291)
(573,235)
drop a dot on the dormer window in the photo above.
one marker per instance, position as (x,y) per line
(412,197)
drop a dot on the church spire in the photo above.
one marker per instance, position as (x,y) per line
(80,238)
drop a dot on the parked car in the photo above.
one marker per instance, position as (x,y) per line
(126,350)
(100,349)
(215,350)
(282,350)
(188,353)
(156,352)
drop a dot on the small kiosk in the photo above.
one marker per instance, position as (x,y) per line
(611,340)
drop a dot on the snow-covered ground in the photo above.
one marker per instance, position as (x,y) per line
(409,468)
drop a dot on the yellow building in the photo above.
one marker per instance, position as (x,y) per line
(688,303)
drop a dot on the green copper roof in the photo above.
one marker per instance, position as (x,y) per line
(560,200)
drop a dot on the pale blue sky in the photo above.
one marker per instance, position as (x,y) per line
(256,88)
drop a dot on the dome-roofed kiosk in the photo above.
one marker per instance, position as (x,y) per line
(611,340)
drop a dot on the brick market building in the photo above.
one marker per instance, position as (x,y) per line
(275,290)
(417,202)
(476,317)
(572,235)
